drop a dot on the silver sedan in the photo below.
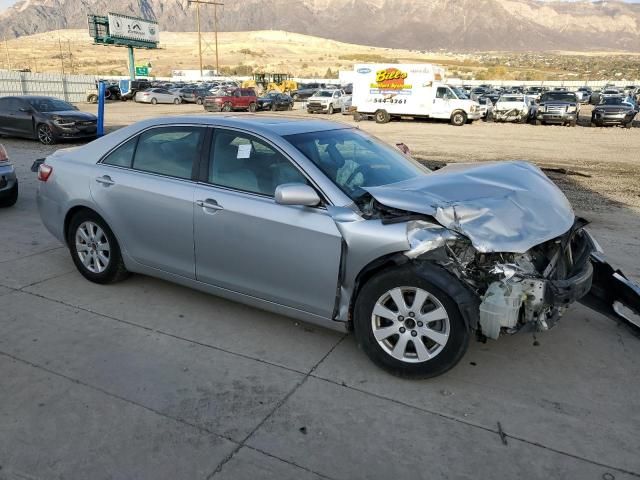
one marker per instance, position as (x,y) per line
(157,95)
(322,222)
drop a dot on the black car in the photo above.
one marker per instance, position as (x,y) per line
(45,118)
(613,111)
(560,106)
(136,86)
(275,101)
(305,91)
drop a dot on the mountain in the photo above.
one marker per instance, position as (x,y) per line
(462,25)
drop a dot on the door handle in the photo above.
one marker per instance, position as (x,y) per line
(105,180)
(209,203)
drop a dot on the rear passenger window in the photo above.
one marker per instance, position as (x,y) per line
(123,155)
(169,151)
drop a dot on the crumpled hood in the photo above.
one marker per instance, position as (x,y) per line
(499,206)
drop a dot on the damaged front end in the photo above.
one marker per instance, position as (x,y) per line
(516,290)
(520,251)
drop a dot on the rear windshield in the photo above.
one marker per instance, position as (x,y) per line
(510,99)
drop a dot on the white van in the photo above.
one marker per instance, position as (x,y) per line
(394,90)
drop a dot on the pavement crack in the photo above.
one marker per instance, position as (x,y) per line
(277,406)
(503,435)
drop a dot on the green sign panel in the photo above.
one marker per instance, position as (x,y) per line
(142,71)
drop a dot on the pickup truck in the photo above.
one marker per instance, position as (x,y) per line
(237,99)
(558,107)
(326,101)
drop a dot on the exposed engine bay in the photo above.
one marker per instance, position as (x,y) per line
(529,290)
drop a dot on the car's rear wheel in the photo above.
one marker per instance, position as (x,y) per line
(11,198)
(154,101)
(226,107)
(252,107)
(94,249)
(45,135)
(177,101)
(382,116)
(199,101)
(408,326)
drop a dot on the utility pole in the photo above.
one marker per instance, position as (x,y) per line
(6,49)
(70,55)
(215,23)
(61,55)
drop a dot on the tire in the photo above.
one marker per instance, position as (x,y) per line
(458,118)
(357,117)
(539,122)
(154,101)
(572,123)
(628,124)
(11,199)
(382,116)
(92,99)
(252,107)
(274,107)
(330,110)
(226,107)
(296,97)
(451,331)
(290,107)
(310,112)
(177,101)
(96,270)
(199,101)
(45,135)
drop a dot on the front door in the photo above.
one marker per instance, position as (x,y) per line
(247,243)
(145,190)
(441,103)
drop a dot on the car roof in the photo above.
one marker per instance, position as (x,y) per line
(260,123)
(32,97)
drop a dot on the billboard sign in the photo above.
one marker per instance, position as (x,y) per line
(130,28)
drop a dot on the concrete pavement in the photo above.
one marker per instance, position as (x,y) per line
(145,379)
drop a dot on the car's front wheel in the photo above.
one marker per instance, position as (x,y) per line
(408,326)
(94,249)
(45,135)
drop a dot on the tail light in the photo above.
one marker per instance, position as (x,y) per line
(44,172)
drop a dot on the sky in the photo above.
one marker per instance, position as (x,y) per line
(6,3)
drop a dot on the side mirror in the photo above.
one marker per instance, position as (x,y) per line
(296,194)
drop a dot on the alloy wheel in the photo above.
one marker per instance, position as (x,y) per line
(45,135)
(410,324)
(92,247)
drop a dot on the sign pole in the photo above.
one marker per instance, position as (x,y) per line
(101,89)
(132,65)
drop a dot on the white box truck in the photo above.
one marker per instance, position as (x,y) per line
(398,90)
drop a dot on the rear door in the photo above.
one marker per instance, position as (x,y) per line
(6,109)
(247,243)
(145,190)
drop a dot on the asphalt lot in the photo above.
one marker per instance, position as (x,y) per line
(146,379)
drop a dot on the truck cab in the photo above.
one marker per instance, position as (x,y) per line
(326,101)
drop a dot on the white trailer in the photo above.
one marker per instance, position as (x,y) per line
(413,90)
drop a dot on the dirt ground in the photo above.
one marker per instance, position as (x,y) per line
(603,164)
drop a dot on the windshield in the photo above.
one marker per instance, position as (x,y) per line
(323,93)
(462,95)
(613,101)
(353,160)
(558,97)
(512,98)
(50,105)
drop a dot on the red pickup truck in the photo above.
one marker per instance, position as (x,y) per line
(238,99)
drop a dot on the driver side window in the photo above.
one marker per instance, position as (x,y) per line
(441,92)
